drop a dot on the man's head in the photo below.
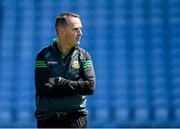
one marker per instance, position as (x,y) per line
(68,28)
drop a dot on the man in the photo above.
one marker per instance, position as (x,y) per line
(64,76)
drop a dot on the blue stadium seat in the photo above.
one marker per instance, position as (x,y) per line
(101,115)
(161,114)
(122,115)
(142,114)
(24,116)
(177,113)
(5,117)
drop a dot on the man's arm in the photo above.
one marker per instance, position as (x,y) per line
(83,87)
(41,80)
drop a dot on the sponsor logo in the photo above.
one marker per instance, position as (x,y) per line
(52,62)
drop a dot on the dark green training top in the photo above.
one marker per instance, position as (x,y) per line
(69,95)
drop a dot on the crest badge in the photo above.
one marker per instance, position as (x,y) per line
(75,65)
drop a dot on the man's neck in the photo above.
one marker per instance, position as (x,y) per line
(65,49)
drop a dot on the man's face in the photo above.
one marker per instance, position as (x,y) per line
(73,31)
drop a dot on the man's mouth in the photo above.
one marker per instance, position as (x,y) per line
(78,38)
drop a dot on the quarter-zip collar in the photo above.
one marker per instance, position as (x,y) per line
(59,53)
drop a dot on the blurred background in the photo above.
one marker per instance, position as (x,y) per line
(135,46)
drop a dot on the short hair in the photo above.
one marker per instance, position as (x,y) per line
(62,19)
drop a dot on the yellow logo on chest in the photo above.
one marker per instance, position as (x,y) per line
(75,65)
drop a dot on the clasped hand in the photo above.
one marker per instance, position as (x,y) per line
(50,82)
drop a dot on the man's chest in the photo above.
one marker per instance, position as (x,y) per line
(70,68)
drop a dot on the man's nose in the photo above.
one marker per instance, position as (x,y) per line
(80,32)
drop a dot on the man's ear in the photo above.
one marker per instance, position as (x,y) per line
(60,31)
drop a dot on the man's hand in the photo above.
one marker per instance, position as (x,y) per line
(48,85)
(51,80)
(55,80)
(80,79)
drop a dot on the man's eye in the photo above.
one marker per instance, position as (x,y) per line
(75,29)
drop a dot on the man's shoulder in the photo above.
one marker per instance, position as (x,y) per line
(84,51)
(44,51)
